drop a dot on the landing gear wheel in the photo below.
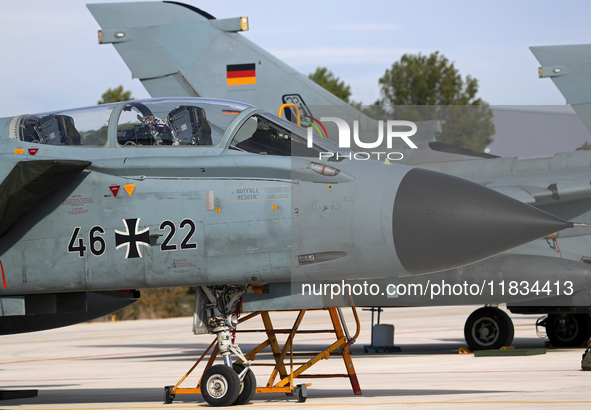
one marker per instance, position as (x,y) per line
(568,330)
(488,328)
(168,395)
(220,385)
(247,387)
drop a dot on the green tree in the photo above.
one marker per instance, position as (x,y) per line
(327,80)
(433,83)
(585,147)
(377,110)
(115,95)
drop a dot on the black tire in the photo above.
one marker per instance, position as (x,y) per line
(301,394)
(168,395)
(220,385)
(568,330)
(247,387)
(488,328)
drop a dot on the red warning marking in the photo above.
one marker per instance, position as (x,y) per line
(115,189)
(33,151)
(3,277)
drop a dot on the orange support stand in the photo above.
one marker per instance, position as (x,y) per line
(286,373)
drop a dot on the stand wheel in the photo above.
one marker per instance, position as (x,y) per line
(248,386)
(220,385)
(301,393)
(168,395)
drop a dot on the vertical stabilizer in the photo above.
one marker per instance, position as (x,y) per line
(179,50)
(569,67)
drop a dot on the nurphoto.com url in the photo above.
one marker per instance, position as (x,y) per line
(434,289)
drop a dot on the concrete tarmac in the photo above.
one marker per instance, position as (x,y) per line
(125,365)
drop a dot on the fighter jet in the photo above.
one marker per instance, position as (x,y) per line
(192,53)
(220,195)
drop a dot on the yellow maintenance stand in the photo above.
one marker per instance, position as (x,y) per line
(282,380)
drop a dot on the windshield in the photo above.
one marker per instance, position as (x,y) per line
(265,134)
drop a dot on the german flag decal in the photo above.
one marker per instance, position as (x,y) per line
(241,74)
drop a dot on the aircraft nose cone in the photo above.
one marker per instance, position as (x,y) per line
(441,220)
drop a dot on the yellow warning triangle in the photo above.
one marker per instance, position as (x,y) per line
(129,188)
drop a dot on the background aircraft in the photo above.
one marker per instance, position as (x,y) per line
(559,184)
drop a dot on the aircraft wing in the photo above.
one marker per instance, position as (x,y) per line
(562,178)
(545,190)
(30,182)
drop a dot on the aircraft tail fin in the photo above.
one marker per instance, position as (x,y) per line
(180,51)
(569,67)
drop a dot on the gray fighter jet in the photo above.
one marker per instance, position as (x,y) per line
(220,195)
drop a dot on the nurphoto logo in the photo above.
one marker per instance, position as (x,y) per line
(387,130)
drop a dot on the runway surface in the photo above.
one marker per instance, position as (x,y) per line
(125,365)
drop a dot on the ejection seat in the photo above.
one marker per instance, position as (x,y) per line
(189,126)
(57,129)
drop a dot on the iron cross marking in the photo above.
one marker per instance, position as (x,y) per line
(132,238)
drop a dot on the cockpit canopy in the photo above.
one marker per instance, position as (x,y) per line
(169,122)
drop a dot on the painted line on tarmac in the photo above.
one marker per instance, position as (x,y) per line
(479,371)
(257,405)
